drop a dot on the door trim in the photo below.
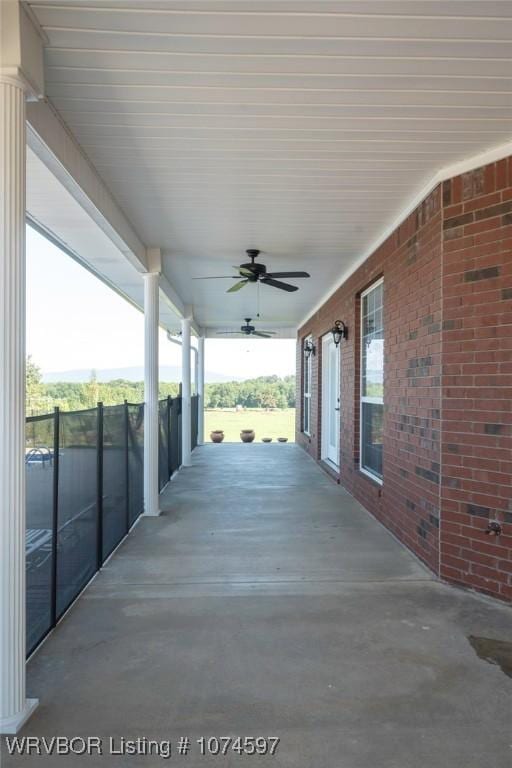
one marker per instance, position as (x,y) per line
(324,445)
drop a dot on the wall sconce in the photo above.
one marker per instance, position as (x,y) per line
(339,331)
(309,348)
(494,528)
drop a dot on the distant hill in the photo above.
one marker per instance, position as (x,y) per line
(168,373)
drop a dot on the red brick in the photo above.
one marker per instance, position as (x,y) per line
(446,417)
(501,174)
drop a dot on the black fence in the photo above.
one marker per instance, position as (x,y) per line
(169,442)
(194,416)
(84,490)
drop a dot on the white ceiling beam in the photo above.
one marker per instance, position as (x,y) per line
(21,48)
(167,293)
(171,297)
(54,144)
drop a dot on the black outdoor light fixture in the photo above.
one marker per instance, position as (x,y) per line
(339,331)
(309,348)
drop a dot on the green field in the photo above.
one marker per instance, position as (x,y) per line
(274,424)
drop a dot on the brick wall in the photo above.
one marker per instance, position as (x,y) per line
(477,379)
(410,261)
(448,379)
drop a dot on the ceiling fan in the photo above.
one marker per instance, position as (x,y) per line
(257,273)
(248,330)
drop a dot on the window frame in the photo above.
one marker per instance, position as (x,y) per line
(307,379)
(367,399)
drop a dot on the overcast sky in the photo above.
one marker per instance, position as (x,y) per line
(75,322)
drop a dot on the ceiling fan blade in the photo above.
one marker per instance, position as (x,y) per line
(288,274)
(216,277)
(262,334)
(278,284)
(237,286)
(244,271)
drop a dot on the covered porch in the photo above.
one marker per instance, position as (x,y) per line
(265,601)
(345,147)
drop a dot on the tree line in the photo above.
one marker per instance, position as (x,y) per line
(261,392)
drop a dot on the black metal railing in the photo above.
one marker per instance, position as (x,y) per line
(194,416)
(84,491)
(169,443)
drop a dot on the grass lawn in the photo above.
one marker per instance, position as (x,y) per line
(274,424)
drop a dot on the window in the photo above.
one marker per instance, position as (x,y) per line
(306,390)
(372,380)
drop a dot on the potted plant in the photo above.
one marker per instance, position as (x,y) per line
(247,435)
(217,435)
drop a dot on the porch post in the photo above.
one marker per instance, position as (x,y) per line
(15,708)
(200,390)
(151,297)
(186,430)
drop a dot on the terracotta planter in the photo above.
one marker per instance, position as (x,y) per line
(217,435)
(247,435)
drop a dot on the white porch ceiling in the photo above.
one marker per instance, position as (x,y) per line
(300,128)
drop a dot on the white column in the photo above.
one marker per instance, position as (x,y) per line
(151,500)
(196,366)
(186,444)
(15,708)
(200,390)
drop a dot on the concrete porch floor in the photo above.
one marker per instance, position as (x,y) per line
(267,602)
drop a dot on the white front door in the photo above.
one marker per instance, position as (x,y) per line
(330,401)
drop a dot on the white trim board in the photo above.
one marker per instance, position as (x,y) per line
(327,341)
(375,400)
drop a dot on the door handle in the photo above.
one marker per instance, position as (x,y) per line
(336,409)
